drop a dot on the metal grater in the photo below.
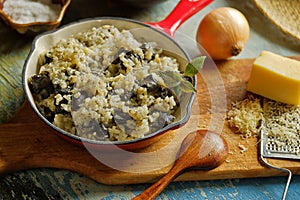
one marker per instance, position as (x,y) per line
(269,145)
(269,149)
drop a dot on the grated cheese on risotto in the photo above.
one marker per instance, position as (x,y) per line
(103,84)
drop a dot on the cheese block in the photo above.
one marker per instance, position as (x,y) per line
(276,77)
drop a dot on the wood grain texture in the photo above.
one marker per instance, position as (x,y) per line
(201,149)
(25,142)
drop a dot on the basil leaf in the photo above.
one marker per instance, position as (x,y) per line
(170,78)
(186,86)
(175,80)
(194,66)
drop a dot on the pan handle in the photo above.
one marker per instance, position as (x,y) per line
(183,10)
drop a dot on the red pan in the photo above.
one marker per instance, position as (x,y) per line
(159,32)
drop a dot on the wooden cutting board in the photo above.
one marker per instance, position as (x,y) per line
(25,142)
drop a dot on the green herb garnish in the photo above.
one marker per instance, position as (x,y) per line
(177,82)
(194,66)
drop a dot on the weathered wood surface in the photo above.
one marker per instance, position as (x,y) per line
(42,184)
(26,142)
(62,184)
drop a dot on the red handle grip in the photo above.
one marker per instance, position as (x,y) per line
(184,10)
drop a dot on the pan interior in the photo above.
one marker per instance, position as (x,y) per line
(140,31)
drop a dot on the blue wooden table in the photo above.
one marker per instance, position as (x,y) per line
(61,184)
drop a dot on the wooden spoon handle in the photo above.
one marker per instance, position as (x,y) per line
(155,189)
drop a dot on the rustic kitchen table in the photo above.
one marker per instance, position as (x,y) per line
(48,183)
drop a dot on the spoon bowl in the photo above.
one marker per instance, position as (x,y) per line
(202,149)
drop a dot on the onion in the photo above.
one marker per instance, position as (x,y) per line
(223,33)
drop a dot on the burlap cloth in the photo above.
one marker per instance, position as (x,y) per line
(283,13)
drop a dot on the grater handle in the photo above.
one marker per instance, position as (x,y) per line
(281,169)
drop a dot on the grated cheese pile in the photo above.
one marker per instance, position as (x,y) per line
(27,11)
(246,116)
(281,121)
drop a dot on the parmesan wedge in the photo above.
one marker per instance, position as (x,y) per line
(276,77)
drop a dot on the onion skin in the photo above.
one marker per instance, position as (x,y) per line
(223,33)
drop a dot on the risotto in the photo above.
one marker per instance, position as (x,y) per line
(103,84)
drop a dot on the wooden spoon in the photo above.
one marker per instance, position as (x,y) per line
(202,149)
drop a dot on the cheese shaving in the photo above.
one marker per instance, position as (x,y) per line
(242,148)
(280,121)
(246,116)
